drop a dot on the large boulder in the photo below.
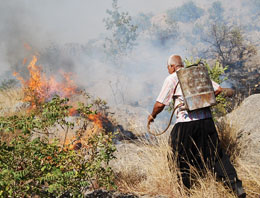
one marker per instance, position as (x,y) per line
(244,123)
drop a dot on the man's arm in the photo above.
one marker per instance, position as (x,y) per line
(218,91)
(157,108)
(226,91)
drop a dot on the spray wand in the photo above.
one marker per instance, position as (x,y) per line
(157,134)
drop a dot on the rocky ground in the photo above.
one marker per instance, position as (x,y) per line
(245,124)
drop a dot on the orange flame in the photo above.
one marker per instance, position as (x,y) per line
(39,87)
(97,119)
(73,111)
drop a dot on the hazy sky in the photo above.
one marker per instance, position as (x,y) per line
(42,22)
(38,22)
(75,20)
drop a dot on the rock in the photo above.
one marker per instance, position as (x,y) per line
(245,122)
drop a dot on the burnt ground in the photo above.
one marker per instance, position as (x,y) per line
(108,194)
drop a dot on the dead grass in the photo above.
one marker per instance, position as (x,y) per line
(142,168)
(250,175)
(9,99)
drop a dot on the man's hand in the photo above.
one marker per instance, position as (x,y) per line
(150,119)
(157,108)
(228,92)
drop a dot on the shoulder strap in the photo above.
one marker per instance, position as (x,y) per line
(174,91)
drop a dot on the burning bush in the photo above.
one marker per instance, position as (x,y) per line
(33,162)
(40,88)
(34,166)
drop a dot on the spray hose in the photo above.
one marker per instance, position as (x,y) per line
(157,134)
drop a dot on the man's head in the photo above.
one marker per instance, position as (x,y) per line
(174,63)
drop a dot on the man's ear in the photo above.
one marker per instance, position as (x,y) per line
(174,68)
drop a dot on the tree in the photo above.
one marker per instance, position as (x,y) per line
(123,33)
(143,21)
(188,12)
(163,30)
(227,44)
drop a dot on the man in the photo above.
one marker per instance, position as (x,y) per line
(194,139)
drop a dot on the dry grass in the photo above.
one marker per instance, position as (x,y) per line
(9,99)
(142,168)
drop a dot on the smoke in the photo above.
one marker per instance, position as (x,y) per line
(69,35)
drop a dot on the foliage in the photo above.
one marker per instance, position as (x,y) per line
(164,29)
(214,71)
(188,12)
(39,120)
(143,21)
(34,166)
(123,32)
(228,44)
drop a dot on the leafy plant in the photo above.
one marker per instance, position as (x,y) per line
(35,166)
(123,32)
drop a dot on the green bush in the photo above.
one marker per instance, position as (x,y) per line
(35,166)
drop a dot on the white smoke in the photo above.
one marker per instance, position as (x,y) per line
(70,35)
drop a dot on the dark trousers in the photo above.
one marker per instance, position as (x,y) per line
(196,144)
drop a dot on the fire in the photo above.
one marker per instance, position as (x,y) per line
(97,119)
(39,88)
(73,111)
(74,143)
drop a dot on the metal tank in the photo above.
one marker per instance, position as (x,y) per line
(196,87)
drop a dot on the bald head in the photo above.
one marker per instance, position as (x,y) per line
(174,63)
(175,60)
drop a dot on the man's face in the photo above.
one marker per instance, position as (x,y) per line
(171,69)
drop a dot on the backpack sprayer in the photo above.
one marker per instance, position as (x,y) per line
(196,88)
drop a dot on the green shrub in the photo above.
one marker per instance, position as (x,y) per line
(39,167)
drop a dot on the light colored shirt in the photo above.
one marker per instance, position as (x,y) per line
(166,95)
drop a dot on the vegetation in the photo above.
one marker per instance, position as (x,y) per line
(228,45)
(188,12)
(7,84)
(164,30)
(123,32)
(31,164)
